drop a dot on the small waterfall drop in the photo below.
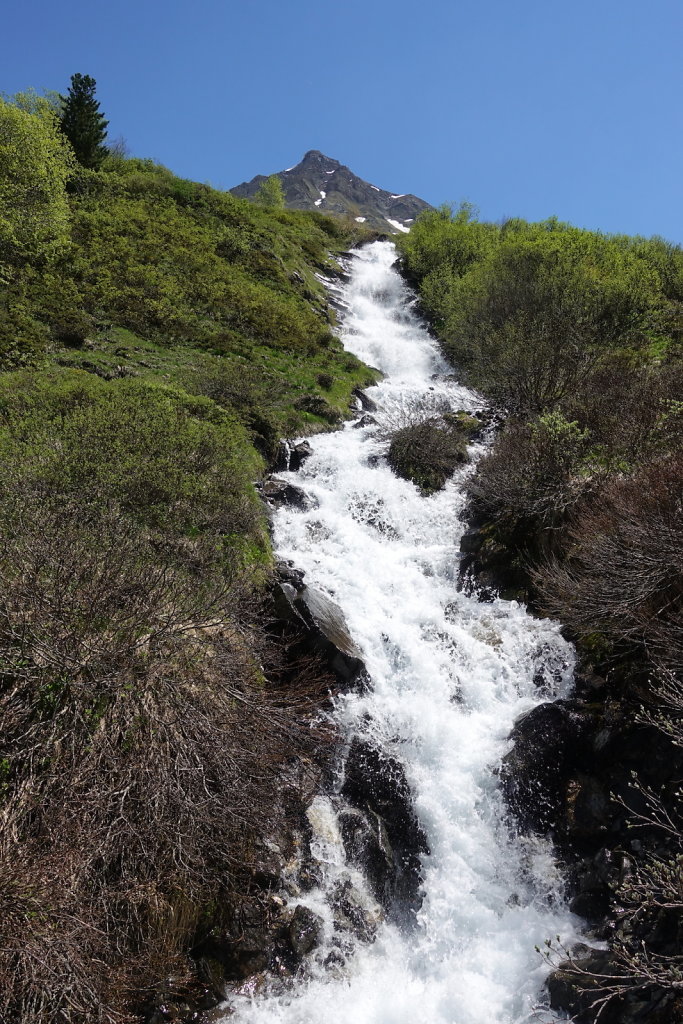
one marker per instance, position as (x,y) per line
(449,676)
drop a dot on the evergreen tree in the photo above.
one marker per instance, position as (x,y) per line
(82,122)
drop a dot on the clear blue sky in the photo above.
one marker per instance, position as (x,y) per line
(525,107)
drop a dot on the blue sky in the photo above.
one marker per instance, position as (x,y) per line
(524,107)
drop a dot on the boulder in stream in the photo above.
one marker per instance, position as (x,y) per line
(385,839)
(547,744)
(304,931)
(280,492)
(324,626)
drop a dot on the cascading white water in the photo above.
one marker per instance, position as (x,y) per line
(449,676)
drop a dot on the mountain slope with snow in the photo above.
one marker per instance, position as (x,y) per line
(320,183)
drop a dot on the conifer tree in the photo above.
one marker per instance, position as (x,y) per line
(82,122)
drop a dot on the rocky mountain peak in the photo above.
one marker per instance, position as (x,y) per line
(318,182)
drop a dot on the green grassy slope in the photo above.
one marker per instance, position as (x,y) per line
(150,358)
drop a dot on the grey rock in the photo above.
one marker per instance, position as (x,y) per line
(548,742)
(304,931)
(366,402)
(353,913)
(280,492)
(388,840)
(298,454)
(330,634)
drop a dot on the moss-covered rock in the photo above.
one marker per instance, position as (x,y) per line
(427,453)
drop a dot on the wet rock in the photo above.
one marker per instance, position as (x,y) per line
(320,626)
(304,931)
(284,596)
(365,421)
(298,454)
(591,904)
(288,573)
(589,811)
(354,913)
(329,634)
(547,743)
(367,847)
(470,541)
(576,984)
(366,403)
(280,492)
(390,837)
(281,461)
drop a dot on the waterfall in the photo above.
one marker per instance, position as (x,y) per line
(449,676)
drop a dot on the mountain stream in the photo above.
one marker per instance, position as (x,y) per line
(449,676)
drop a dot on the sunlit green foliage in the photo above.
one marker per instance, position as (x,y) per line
(576,337)
(271,193)
(526,310)
(35,164)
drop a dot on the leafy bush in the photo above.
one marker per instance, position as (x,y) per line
(174,462)
(526,310)
(35,163)
(426,453)
(535,474)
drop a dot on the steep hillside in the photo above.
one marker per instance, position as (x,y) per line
(157,337)
(576,337)
(319,182)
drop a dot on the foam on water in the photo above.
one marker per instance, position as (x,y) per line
(449,677)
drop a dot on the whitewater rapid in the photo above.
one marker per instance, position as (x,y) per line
(450,675)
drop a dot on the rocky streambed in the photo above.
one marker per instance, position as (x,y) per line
(472,793)
(589,771)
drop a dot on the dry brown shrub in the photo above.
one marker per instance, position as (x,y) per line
(624,575)
(142,751)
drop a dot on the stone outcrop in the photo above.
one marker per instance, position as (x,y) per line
(381,834)
(320,183)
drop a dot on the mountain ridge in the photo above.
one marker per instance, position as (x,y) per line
(323,183)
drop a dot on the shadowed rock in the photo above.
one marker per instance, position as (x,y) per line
(385,837)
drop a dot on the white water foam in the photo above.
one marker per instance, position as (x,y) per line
(449,677)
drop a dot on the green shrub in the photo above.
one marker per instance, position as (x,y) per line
(173,461)
(426,453)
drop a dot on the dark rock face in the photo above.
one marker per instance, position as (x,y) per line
(279,492)
(352,914)
(304,931)
(547,743)
(344,193)
(381,833)
(331,638)
(291,455)
(366,403)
